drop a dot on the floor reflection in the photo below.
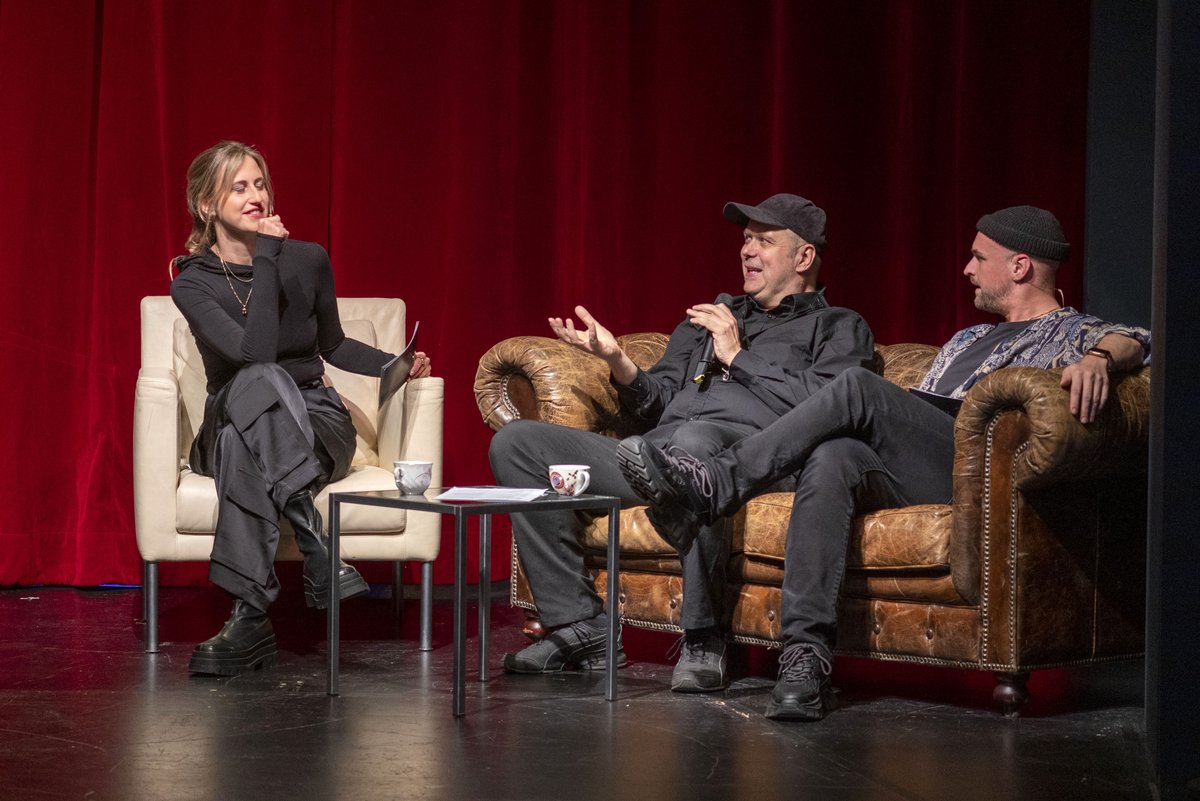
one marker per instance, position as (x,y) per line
(88,715)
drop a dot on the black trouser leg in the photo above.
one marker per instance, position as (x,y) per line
(550,542)
(842,478)
(913,439)
(705,561)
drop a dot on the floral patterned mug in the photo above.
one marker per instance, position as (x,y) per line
(570,479)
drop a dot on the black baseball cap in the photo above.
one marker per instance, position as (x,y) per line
(799,215)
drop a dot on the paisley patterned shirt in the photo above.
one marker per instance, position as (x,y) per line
(1055,340)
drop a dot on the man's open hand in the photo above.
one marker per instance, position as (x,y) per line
(1087,379)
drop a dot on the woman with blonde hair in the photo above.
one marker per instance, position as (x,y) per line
(263,310)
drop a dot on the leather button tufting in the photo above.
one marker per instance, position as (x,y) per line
(929,634)
(876,628)
(621,597)
(771,615)
(673,603)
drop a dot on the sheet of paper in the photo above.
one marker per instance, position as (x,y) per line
(490,494)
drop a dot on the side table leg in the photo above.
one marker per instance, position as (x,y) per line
(427,606)
(335,513)
(485,591)
(458,700)
(614,600)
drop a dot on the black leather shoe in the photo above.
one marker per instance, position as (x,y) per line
(803,690)
(246,642)
(302,513)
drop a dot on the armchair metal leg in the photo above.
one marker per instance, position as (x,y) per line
(427,606)
(397,588)
(150,604)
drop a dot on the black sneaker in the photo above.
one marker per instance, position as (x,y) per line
(803,690)
(577,645)
(702,667)
(675,479)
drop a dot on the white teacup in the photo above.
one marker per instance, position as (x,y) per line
(412,478)
(570,479)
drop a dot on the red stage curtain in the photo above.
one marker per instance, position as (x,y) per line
(492,163)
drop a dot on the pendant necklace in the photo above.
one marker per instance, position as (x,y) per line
(229,276)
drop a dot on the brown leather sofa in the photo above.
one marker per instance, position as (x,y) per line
(1038,560)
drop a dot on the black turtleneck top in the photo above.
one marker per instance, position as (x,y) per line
(291,317)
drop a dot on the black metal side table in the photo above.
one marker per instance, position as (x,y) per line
(461,510)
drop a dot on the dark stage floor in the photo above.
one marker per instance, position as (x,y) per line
(87,715)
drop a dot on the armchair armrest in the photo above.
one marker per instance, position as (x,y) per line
(411,425)
(156,460)
(538,378)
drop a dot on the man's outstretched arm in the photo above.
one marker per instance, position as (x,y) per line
(596,340)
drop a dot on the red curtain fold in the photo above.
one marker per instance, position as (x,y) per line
(493,163)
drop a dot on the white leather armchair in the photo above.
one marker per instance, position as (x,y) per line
(175,510)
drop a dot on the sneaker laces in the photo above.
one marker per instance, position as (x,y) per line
(803,662)
(695,648)
(693,470)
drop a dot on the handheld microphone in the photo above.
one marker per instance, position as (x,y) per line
(706,355)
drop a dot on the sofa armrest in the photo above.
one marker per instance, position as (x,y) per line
(538,378)
(156,460)
(1059,448)
(1023,464)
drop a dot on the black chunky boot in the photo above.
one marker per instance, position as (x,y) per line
(302,513)
(246,642)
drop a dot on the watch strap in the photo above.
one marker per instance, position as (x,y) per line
(1107,356)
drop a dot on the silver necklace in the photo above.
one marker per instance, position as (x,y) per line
(229,276)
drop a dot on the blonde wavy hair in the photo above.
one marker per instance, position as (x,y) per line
(208,184)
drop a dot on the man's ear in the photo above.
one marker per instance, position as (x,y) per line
(1021,268)
(806,256)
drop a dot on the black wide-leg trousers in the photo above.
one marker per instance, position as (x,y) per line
(264,439)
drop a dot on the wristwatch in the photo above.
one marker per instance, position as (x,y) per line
(1101,352)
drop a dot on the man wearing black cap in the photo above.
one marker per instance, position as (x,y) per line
(862,443)
(729,370)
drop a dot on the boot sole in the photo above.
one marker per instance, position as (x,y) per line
(637,472)
(259,657)
(349,586)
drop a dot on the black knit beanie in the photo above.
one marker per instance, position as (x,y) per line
(1026,229)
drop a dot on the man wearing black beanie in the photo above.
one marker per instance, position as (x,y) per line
(862,443)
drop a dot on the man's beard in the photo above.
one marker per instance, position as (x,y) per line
(990,301)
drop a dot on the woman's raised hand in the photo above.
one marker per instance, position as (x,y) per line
(272,226)
(421,366)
